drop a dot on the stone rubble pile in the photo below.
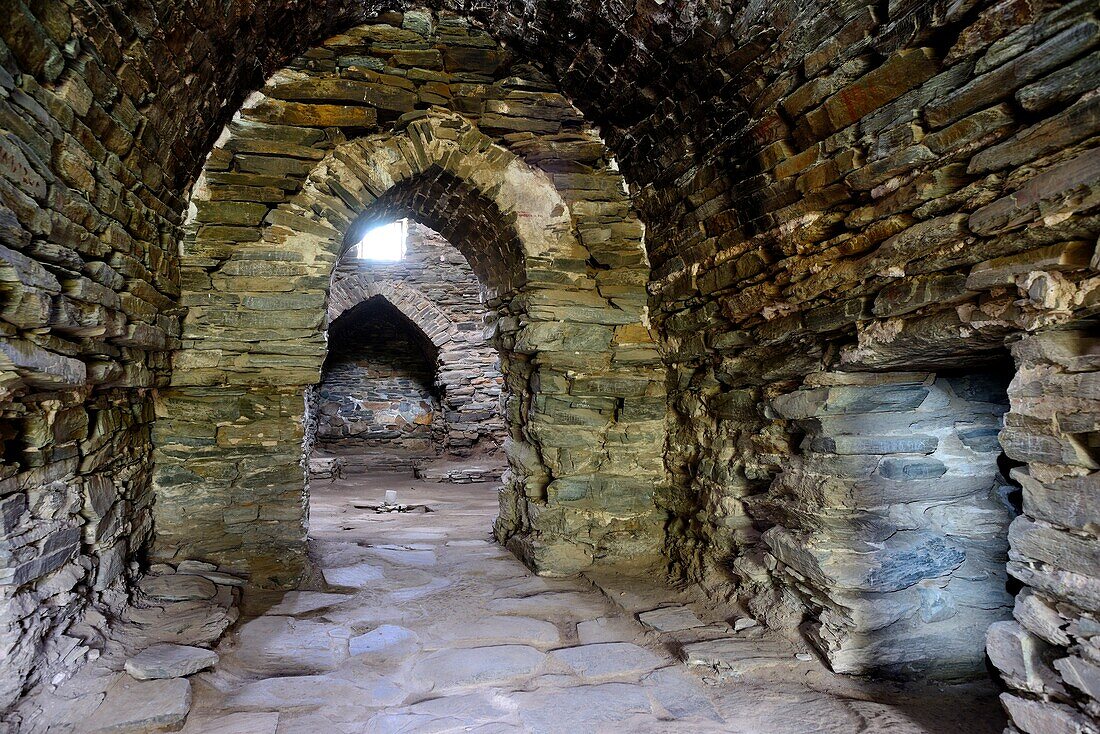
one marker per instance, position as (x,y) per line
(140,681)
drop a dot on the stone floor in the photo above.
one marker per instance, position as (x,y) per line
(416,622)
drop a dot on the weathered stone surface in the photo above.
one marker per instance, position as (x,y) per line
(178,587)
(108,118)
(288,646)
(607,659)
(131,707)
(170,661)
(670,619)
(476,666)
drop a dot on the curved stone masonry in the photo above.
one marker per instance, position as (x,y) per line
(881,186)
(558,253)
(467,374)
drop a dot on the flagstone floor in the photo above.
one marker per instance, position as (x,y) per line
(417,622)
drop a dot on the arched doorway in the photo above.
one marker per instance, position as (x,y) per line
(569,321)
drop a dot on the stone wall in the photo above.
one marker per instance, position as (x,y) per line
(87,285)
(435,288)
(376,399)
(898,185)
(1049,654)
(911,187)
(894,519)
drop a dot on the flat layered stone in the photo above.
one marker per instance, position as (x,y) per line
(136,707)
(477,666)
(671,619)
(178,587)
(289,646)
(170,661)
(239,723)
(608,659)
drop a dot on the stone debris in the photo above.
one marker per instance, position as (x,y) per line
(740,656)
(170,661)
(670,619)
(744,623)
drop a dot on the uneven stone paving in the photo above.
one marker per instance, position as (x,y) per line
(417,622)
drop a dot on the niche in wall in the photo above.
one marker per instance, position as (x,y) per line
(892,519)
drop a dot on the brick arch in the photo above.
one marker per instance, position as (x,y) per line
(346,293)
(569,322)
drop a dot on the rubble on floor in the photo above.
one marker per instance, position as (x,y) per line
(141,680)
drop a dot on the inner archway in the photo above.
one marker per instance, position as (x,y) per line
(375,408)
(438,303)
(556,310)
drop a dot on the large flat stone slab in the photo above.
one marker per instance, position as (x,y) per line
(137,707)
(477,666)
(239,723)
(498,630)
(573,604)
(288,646)
(295,603)
(314,691)
(170,661)
(178,587)
(421,555)
(679,693)
(358,576)
(671,619)
(597,708)
(390,642)
(482,712)
(608,659)
(606,629)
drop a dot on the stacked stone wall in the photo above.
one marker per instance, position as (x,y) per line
(1048,653)
(894,185)
(511,174)
(88,282)
(895,519)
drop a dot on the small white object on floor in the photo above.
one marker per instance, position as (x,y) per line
(391,496)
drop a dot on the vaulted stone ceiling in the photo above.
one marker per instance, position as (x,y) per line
(830,191)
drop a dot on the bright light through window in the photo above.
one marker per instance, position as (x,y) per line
(383,244)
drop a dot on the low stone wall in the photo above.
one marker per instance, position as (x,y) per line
(893,519)
(75,496)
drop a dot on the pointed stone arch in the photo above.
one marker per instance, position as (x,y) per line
(584,385)
(347,293)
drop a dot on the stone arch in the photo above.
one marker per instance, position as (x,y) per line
(347,293)
(456,355)
(583,383)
